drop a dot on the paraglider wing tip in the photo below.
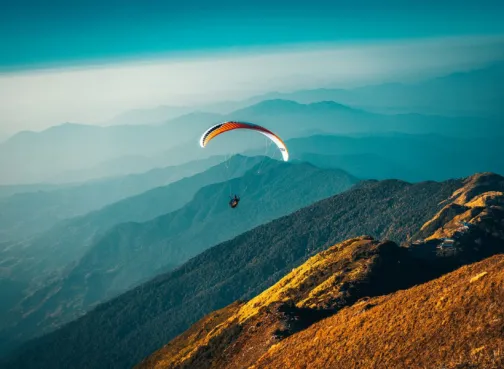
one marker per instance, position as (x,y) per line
(285,154)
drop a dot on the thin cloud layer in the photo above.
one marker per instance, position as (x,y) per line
(41,98)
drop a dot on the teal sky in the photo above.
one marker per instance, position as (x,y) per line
(36,33)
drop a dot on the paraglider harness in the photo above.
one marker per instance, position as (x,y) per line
(234,201)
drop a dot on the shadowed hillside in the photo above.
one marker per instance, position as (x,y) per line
(145,318)
(73,147)
(31,269)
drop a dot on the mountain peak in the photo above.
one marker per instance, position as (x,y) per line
(290,107)
(69,125)
(483,178)
(278,102)
(274,104)
(331,104)
(472,215)
(291,104)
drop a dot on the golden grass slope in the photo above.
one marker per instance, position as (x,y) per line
(315,284)
(456,321)
(322,284)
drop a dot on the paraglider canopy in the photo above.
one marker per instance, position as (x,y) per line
(220,128)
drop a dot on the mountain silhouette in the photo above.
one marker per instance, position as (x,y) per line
(62,151)
(465,93)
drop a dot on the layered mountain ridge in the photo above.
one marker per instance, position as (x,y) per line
(146,317)
(292,323)
(124,254)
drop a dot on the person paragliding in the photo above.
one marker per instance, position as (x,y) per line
(234,201)
(218,129)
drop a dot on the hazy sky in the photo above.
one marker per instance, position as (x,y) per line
(86,61)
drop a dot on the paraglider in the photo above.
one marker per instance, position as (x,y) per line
(221,128)
(234,201)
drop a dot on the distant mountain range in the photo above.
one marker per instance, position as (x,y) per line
(368,156)
(469,93)
(401,156)
(118,256)
(9,190)
(45,156)
(290,120)
(463,104)
(68,240)
(364,165)
(119,333)
(28,213)
(33,264)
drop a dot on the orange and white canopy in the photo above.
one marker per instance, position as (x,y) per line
(220,128)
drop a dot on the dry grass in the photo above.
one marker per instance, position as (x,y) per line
(239,335)
(456,321)
(478,193)
(317,280)
(468,204)
(476,185)
(486,198)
